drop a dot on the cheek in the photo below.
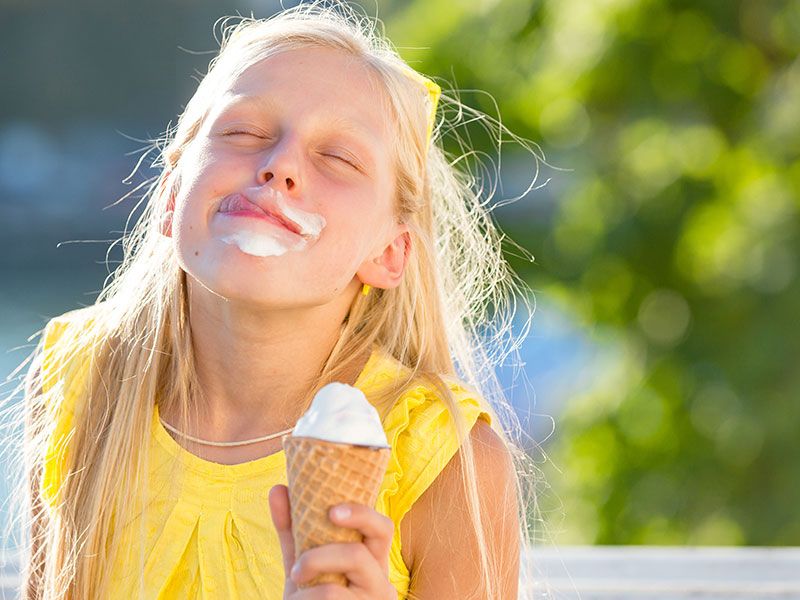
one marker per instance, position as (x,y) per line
(210,166)
(356,235)
(186,238)
(188,209)
(202,188)
(194,209)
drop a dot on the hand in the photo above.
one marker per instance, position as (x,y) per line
(365,564)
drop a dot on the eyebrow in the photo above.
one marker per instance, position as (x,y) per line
(352,129)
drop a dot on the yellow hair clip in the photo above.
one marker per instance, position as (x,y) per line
(434,91)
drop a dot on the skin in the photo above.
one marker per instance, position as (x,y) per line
(263,326)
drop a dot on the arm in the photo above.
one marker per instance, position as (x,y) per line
(33,569)
(439,545)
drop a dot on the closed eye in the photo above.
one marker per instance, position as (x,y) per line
(240,133)
(336,156)
(344,160)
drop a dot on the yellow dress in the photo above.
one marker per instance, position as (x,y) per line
(212,537)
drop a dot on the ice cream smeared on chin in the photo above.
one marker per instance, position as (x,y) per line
(341,413)
(263,223)
(258,243)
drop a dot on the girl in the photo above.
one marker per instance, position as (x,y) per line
(306,228)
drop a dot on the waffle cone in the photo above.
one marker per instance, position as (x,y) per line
(321,475)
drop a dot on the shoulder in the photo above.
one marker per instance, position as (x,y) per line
(61,329)
(425,427)
(429,412)
(44,362)
(494,472)
(491,453)
(62,373)
(71,318)
(63,349)
(440,525)
(430,400)
(424,490)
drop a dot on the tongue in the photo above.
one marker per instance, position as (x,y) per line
(238,202)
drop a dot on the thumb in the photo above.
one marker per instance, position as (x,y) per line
(282,519)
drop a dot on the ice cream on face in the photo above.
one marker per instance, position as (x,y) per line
(311,224)
(260,243)
(341,413)
(262,238)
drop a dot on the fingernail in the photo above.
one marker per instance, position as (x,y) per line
(295,570)
(341,512)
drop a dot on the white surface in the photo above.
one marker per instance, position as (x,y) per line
(647,572)
(629,573)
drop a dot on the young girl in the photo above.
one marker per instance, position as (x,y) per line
(306,228)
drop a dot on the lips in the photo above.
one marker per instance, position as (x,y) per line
(240,205)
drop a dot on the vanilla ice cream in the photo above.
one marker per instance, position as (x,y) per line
(342,414)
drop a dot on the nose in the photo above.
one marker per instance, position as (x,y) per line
(281,165)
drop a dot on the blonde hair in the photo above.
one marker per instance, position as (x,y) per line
(450,317)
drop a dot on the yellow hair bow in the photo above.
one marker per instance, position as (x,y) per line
(434,91)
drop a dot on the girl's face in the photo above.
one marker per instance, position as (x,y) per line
(299,138)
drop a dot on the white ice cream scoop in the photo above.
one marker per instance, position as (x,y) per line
(342,414)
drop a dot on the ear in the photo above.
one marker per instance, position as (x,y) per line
(165,224)
(386,269)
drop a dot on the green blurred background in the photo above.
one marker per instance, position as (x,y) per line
(671,244)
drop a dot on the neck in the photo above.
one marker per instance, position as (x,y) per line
(255,366)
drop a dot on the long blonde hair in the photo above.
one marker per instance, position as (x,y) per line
(450,317)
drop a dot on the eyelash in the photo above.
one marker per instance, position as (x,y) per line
(330,155)
(241,133)
(342,159)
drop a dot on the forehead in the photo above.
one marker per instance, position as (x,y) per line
(314,84)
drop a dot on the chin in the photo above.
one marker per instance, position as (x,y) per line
(270,283)
(239,286)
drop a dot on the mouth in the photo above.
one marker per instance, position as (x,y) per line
(236,205)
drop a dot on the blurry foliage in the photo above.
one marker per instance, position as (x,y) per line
(677,231)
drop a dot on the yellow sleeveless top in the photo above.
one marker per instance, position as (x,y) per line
(212,537)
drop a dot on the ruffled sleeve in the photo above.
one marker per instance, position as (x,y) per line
(423,438)
(63,380)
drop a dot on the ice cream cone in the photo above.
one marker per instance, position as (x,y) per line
(321,475)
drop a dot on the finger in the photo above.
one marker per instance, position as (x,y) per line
(376,528)
(353,560)
(282,519)
(325,591)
